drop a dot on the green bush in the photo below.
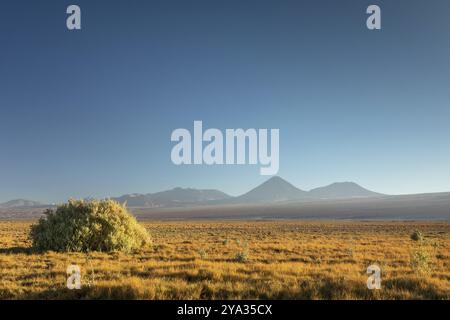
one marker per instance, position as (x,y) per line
(241,256)
(421,261)
(83,226)
(417,236)
(203,254)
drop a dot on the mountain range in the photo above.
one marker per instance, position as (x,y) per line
(274,190)
(19,203)
(274,199)
(172,198)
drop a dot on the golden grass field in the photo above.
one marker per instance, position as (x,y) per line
(240,260)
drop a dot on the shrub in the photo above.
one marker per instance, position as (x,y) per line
(241,256)
(83,226)
(417,236)
(203,254)
(420,261)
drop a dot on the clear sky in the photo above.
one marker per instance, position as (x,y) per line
(90,113)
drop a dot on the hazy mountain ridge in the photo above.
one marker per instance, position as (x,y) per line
(272,191)
(17,203)
(342,190)
(173,197)
(273,199)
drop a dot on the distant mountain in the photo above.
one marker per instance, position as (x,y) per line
(275,189)
(18,203)
(273,199)
(135,200)
(173,198)
(342,190)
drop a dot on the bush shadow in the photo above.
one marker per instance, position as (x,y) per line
(16,250)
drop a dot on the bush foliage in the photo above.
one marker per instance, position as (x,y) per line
(82,226)
(417,236)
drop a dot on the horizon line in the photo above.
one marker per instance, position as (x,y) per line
(215,189)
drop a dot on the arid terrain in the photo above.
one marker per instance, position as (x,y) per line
(240,259)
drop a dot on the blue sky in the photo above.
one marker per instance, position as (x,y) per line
(90,113)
